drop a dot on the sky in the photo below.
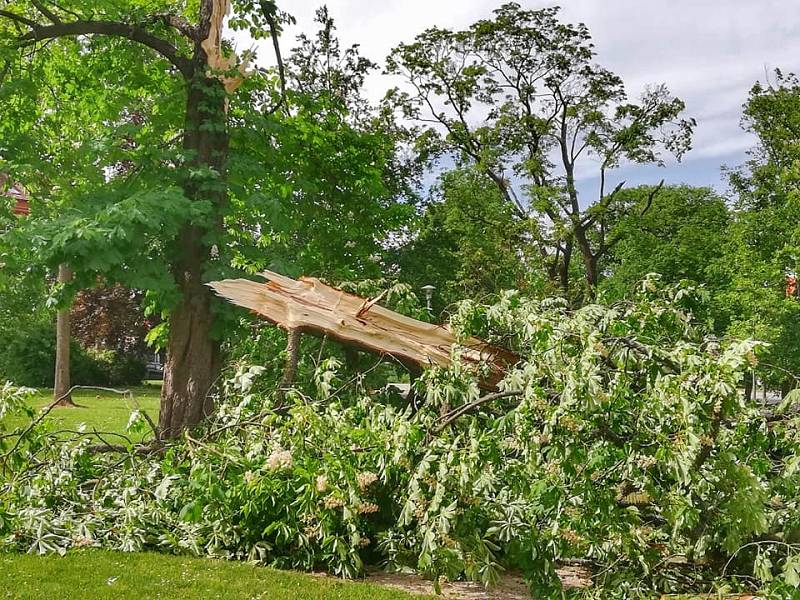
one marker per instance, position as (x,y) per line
(708,53)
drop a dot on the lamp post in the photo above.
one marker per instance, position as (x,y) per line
(429,289)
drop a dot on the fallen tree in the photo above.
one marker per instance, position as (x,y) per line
(310,306)
(619,441)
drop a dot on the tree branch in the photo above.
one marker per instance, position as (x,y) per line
(650,197)
(644,351)
(605,202)
(46,12)
(269,9)
(111,28)
(178,23)
(465,408)
(18,18)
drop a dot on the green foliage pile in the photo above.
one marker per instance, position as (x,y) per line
(620,437)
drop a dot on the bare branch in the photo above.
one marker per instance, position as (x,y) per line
(650,197)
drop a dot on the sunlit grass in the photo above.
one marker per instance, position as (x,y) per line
(101,575)
(97,409)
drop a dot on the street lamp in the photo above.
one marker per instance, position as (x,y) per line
(429,289)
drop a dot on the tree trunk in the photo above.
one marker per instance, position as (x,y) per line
(62,379)
(292,358)
(748,386)
(563,267)
(193,361)
(193,355)
(590,260)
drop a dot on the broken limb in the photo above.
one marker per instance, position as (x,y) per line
(311,306)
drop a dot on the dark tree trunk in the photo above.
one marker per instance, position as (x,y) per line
(193,355)
(62,383)
(748,386)
(590,260)
(563,267)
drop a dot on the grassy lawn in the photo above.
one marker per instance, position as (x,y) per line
(103,575)
(97,409)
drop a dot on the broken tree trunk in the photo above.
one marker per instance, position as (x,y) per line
(310,306)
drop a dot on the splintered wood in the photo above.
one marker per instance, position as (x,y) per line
(313,307)
(218,61)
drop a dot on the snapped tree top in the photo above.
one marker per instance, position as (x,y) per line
(311,306)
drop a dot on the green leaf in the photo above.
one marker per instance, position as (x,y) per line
(791,570)
(762,568)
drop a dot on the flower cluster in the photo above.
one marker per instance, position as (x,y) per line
(279,459)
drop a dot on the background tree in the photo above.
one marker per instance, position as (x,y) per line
(520,97)
(324,181)
(111,318)
(681,236)
(466,242)
(765,236)
(62,381)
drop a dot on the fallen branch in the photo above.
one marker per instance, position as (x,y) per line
(454,414)
(313,307)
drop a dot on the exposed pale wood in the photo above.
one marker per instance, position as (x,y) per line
(217,59)
(311,306)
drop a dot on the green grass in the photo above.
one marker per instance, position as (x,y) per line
(99,410)
(103,575)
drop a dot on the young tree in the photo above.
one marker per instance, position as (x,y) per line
(520,97)
(62,385)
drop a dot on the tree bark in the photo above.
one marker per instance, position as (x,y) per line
(62,378)
(292,358)
(748,386)
(590,259)
(193,361)
(563,267)
(193,355)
